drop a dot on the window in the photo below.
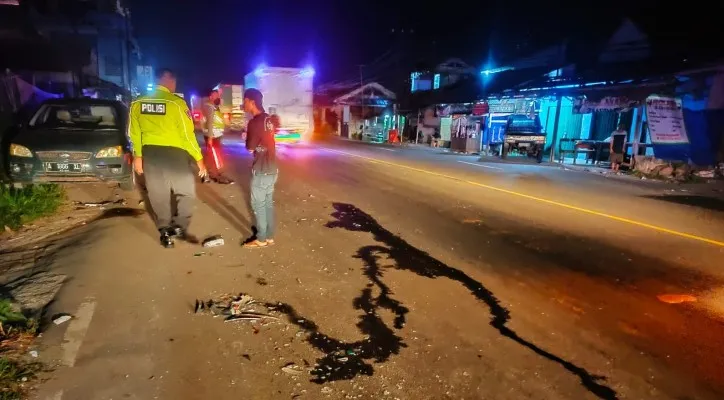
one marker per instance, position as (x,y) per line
(76,117)
(413,81)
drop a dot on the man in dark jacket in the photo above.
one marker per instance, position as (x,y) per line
(260,142)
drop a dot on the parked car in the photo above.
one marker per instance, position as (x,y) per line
(524,135)
(73,140)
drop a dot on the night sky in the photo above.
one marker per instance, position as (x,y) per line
(208,44)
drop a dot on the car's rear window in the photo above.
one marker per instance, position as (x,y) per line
(76,116)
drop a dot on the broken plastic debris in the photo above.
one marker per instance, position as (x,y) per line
(102,203)
(213,241)
(33,354)
(235,308)
(238,306)
(292,369)
(62,319)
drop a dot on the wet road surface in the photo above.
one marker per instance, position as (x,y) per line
(404,274)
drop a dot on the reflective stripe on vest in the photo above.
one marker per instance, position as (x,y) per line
(219,120)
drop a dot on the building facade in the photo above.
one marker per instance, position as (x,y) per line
(100,31)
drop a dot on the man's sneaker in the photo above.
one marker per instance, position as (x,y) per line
(166,238)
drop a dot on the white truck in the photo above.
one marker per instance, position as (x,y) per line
(231,101)
(288,94)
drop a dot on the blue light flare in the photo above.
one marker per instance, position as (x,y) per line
(308,71)
(259,71)
(495,70)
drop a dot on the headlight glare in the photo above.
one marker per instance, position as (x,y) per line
(110,152)
(20,151)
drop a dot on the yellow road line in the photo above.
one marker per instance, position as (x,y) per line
(539,199)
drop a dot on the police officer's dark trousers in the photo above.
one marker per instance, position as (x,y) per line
(171,185)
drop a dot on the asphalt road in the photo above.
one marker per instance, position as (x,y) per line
(404,274)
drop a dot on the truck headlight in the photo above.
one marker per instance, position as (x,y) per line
(20,151)
(110,152)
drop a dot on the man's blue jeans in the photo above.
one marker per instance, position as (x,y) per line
(262,203)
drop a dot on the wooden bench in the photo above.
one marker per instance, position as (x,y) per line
(574,147)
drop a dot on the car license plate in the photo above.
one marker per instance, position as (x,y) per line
(63,167)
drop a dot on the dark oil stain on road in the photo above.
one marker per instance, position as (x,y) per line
(261,282)
(383,342)
(342,360)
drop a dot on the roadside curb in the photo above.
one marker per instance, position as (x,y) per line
(26,269)
(712,188)
(51,226)
(498,160)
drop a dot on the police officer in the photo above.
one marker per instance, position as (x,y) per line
(162,134)
(215,127)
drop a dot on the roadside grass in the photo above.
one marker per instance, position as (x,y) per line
(19,206)
(16,334)
(15,376)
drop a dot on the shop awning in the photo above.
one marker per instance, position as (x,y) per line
(635,81)
(370,95)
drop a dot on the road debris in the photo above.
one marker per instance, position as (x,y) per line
(60,319)
(101,204)
(237,308)
(292,369)
(213,241)
(199,254)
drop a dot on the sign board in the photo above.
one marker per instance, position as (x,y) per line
(665,117)
(144,71)
(480,108)
(586,106)
(507,106)
(453,109)
(445,128)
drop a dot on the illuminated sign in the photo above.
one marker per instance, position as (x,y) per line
(436,82)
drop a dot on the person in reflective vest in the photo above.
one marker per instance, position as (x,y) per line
(161,131)
(214,132)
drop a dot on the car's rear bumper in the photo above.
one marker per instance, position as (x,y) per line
(26,170)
